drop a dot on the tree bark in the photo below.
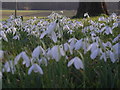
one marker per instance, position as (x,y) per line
(92,8)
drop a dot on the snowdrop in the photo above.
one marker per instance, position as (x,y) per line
(108,30)
(116,39)
(37,52)
(77,63)
(50,29)
(78,44)
(25,58)
(72,42)
(16,37)
(56,53)
(3,35)
(36,68)
(112,56)
(6,67)
(1,54)
(43,60)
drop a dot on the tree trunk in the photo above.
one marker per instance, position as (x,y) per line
(92,8)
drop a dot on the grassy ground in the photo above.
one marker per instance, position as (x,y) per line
(27,14)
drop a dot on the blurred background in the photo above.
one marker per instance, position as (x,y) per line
(43,9)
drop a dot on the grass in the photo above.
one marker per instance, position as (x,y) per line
(31,13)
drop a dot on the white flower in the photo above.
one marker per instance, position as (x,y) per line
(54,37)
(56,53)
(77,63)
(43,60)
(112,57)
(78,44)
(7,67)
(1,54)
(17,58)
(101,19)
(86,15)
(50,29)
(114,25)
(62,52)
(25,58)
(116,39)
(108,30)
(3,35)
(103,56)
(94,53)
(67,47)
(35,68)
(72,42)
(37,51)
(16,37)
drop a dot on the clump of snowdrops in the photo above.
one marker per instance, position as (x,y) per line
(56,38)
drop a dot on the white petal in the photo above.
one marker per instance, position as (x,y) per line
(78,45)
(36,52)
(39,68)
(30,69)
(7,67)
(26,59)
(112,57)
(66,46)
(1,54)
(55,53)
(94,54)
(78,63)
(43,34)
(70,62)
(54,37)
(17,58)
(62,51)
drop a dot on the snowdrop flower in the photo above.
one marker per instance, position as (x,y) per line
(25,58)
(14,30)
(1,54)
(50,29)
(37,51)
(77,63)
(7,67)
(86,15)
(66,27)
(103,56)
(94,53)
(67,47)
(78,44)
(116,49)
(54,37)
(112,57)
(101,19)
(114,25)
(61,11)
(108,30)
(116,39)
(43,60)
(72,42)
(3,35)
(92,47)
(62,52)
(56,53)
(36,68)
(12,66)
(16,37)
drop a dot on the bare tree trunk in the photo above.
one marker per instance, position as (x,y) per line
(92,8)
